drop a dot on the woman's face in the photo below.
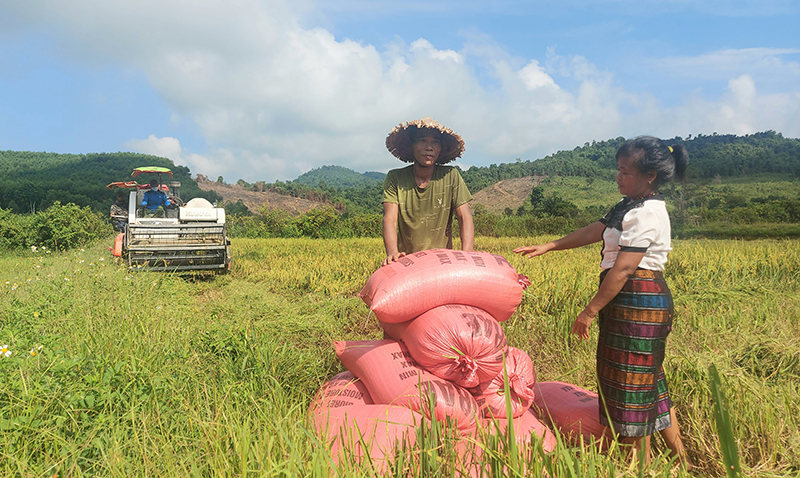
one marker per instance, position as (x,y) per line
(632,182)
(427,148)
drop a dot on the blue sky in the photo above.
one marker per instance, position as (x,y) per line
(267,90)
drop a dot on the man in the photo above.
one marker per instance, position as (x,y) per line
(155,200)
(419,201)
(119,212)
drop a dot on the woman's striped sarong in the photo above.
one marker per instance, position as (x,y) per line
(633,332)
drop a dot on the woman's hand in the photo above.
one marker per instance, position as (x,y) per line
(535,250)
(612,284)
(392,257)
(581,325)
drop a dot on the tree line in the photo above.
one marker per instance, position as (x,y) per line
(711,157)
(34,181)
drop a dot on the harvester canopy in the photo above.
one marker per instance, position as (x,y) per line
(151,169)
(134,185)
(124,185)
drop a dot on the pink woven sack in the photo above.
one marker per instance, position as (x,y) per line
(343,390)
(521,379)
(455,342)
(367,430)
(525,426)
(573,410)
(418,282)
(393,378)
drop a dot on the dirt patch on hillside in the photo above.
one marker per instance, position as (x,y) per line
(511,193)
(256,200)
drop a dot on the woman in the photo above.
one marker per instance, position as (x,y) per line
(633,304)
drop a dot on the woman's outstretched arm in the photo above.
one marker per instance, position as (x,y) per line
(583,236)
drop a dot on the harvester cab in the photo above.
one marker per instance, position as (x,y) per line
(174,236)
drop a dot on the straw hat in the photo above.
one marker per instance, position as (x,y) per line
(399,140)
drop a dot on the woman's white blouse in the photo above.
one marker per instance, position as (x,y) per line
(645,228)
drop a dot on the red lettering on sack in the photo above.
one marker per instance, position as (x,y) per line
(443,259)
(459,256)
(447,391)
(408,364)
(471,322)
(406,375)
(465,401)
(478,260)
(499,335)
(501,261)
(339,403)
(352,394)
(342,392)
(405,261)
(400,355)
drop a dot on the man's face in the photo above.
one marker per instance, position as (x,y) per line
(427,148)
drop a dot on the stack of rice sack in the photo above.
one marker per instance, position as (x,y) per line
(442,308)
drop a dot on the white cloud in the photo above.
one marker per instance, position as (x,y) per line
(274,98)
(744,111)
(165,147)
(534,76)
(425,48)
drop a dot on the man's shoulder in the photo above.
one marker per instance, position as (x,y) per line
(399,174)
(398,171)
(446,172)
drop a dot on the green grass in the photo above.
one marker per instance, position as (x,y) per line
(726,230)
(147,374)
(582,192)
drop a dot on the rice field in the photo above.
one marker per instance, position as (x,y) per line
(109,372)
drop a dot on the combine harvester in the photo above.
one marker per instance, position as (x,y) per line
(190,237)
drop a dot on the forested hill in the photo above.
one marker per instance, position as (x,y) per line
(709,156)
(339,177)
(34,181)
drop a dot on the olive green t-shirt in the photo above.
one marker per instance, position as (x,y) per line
(425,214)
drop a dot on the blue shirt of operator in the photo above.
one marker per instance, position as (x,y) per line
(155,198)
